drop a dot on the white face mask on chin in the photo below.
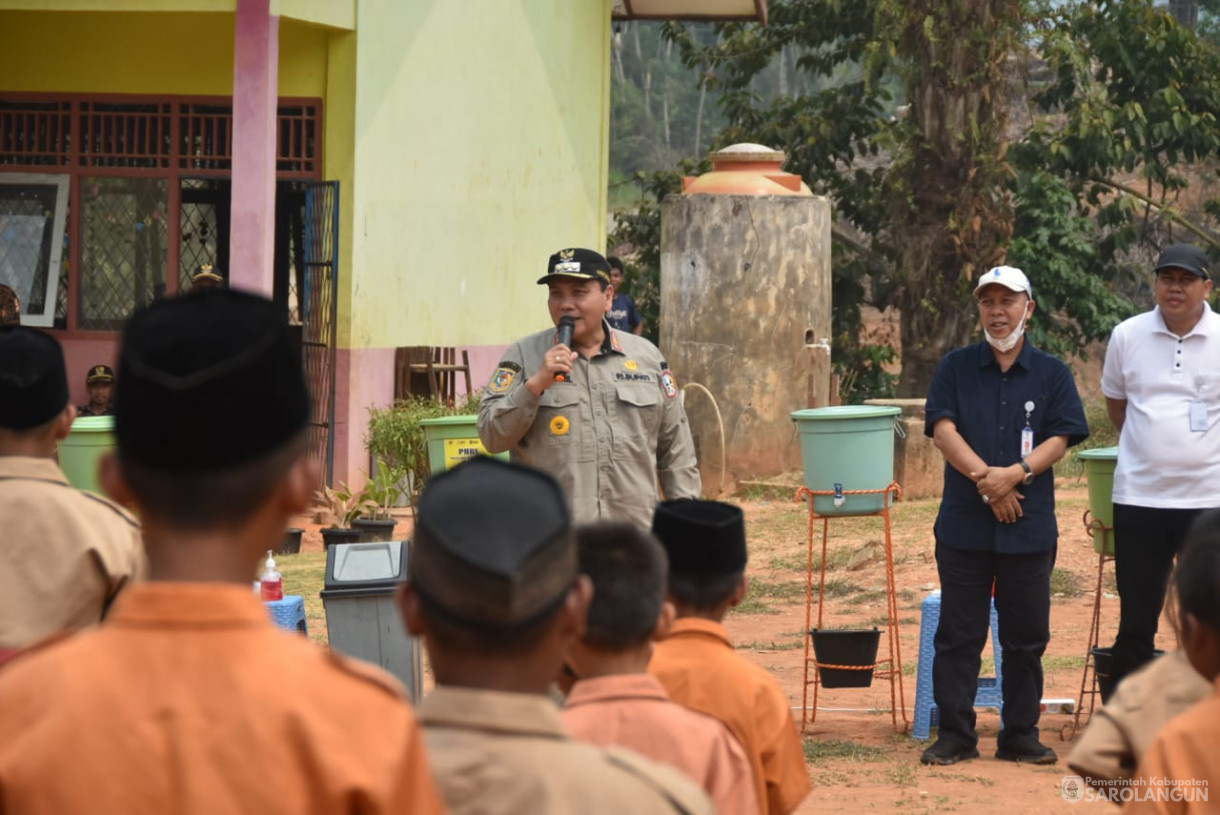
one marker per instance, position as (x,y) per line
(1010,342)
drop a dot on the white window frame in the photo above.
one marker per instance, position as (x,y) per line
(55,262)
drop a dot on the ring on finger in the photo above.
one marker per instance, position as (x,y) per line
(986,499)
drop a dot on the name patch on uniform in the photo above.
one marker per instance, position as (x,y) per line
(631,365)
(560,426)
(624,377)
(503,377)
(667,382)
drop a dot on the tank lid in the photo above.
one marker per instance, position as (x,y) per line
(748,151)
(1099,454)
(471,420)
(93,423)
(844,412)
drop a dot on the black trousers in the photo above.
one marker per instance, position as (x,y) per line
(1146,541)
(1023,605)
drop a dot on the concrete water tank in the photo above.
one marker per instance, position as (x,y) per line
(745,310)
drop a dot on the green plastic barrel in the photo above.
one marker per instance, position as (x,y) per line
(453,439)
(851,446)
(1099,465)
(91,438)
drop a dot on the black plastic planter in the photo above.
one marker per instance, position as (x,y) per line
(846,647)
(374,529)
(291,544)
(332,536)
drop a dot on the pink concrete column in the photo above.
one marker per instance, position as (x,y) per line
(255,83)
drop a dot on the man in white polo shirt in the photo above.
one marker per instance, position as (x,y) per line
(1162,386)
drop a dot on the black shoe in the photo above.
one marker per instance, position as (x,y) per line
(946,752)
(1029,751)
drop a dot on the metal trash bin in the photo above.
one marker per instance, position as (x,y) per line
(361,615)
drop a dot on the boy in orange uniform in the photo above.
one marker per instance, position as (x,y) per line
(615,701)
(706,543)
(187,698)
(1183,762)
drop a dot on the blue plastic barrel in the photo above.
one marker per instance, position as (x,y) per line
(851,446)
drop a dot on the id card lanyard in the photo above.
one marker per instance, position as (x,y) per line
(1198,408)
(1027,432)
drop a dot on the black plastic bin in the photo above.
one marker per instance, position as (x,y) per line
(846,646)
(361,614)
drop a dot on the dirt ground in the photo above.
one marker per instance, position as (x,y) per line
(854,754)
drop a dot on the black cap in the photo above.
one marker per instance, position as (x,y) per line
(701,537)
(493,544)
(99,374)
(208,383)
(33,378)
(1185,257)
(580,263)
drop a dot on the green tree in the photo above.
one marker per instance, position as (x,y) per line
(1081,187)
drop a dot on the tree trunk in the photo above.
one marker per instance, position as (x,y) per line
(699,118)
(951,215)
(783,71)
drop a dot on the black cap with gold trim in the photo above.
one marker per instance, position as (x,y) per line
(584,264)
(207,275)
(99,375)
(493,544)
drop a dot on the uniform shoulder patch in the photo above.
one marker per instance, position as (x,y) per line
(667,382)
(503,377)
(369,673)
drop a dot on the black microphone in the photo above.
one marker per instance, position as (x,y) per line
(566,326)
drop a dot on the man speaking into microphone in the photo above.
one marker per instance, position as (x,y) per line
(595,407)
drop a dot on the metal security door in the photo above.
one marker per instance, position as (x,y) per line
(317,297)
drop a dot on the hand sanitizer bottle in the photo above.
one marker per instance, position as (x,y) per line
(271,582)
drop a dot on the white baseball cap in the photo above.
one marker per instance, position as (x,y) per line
(1010,277)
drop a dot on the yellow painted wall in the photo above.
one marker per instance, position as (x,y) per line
(480,149)
(128,52)
(336,13)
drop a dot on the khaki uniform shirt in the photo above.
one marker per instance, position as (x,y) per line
(64,553)
(1120,733)
(634,711)
(699,668)
(498,753)
(187,699)
(606,436)
(1182,766)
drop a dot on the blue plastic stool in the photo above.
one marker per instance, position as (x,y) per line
(289,613)
(988,695)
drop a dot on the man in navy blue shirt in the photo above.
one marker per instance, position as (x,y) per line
(622,315)
(1002,413)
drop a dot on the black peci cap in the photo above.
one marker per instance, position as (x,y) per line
(33,378)
(584,264)
(701,537)
(493,544)
(208,383)
(1185,257)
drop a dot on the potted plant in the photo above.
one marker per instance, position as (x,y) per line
(396,436)
(344,506)
(291,544)
(853,648)
(380,494)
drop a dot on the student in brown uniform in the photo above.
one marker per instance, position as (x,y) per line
(187,698)
(495,593)
(1184,759)
(64,554)
(615,701)
(706,543)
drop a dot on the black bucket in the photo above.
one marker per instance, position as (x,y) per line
(846,646)
(375,529)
